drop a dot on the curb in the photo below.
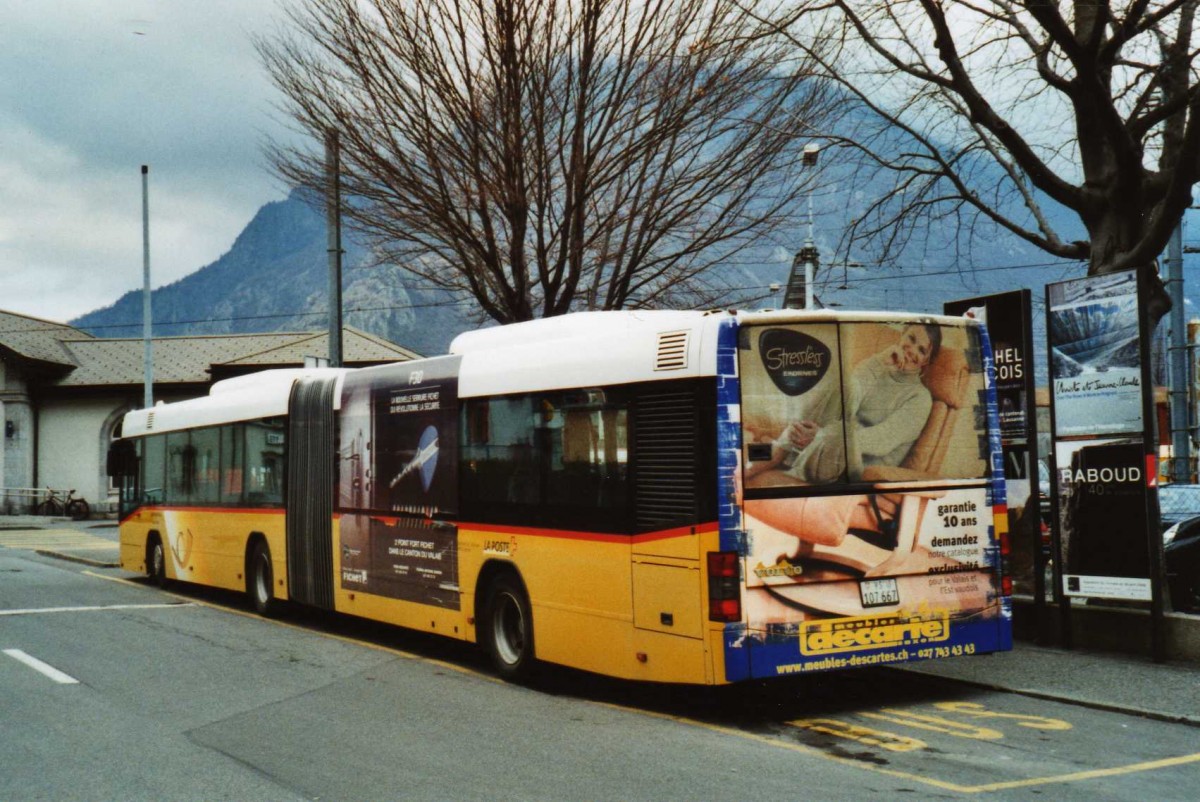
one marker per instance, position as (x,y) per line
(75,559)
(1105,707)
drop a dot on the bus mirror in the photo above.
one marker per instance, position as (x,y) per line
(122,458)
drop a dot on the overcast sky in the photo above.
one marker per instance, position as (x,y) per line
(90,91)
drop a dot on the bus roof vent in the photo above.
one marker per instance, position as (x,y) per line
(672,350)
(150,420)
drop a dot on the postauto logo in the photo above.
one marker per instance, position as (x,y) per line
(901,628)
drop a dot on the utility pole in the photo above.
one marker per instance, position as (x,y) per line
(147,320)
(1178,350)
(333,223)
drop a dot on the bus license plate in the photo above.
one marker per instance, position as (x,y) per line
(879,592)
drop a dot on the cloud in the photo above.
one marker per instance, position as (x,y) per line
(91,91)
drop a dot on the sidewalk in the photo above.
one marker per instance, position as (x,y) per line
(93,543)
(1105,680)
(1102,680)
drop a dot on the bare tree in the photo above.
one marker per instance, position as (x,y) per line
(1004,109)
(549,155)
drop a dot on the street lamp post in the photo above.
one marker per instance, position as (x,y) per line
(804,266)
(147,317)
(333,218)
(774,287)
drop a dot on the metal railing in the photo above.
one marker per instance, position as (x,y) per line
(42,500)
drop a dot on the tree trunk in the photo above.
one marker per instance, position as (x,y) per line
(1114,234)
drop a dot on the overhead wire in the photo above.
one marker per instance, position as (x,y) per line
(891,274)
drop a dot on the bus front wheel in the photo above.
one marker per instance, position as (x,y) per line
(156,562)
(508,628)
(260,580)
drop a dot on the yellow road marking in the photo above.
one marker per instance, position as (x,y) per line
(931,781)
(907,718)
(864,735)
(790,747)
(975,710)
(1092,774)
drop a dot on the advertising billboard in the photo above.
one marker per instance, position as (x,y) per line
(1102,518)
(1095,355)
(1007,316)
(1104,453)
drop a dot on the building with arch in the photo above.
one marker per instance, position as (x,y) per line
(63,392)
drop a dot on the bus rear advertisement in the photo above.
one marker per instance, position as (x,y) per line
(872,494)
(664,496)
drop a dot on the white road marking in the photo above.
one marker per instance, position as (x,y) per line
(37,610)
(32,540)
(37,665)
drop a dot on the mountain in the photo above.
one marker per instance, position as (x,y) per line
(275,277)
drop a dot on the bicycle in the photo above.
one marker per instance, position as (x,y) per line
(56,505)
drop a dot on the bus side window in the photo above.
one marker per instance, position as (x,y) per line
(153,468)
(181,466)
(233,463)
(550,459)
(499,466)
(264,463)
(589,472)
(205,449)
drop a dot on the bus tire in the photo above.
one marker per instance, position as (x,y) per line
(507,629)
(156,561)
(260,580)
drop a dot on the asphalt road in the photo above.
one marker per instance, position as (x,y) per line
(182,695)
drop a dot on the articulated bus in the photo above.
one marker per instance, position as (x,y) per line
(686,497)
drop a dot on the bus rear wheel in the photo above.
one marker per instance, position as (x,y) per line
(260,580)
(508,629)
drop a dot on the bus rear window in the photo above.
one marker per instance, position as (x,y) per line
(861,402)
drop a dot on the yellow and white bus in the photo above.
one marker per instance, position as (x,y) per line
(695,497)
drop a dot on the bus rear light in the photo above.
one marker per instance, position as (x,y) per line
(723,564)
(725,610)
(724,587)
(1004,538)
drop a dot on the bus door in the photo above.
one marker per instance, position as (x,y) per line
(868,504)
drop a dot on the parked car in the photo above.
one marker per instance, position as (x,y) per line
(1178,502)
(1181,553)
(1179,506)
